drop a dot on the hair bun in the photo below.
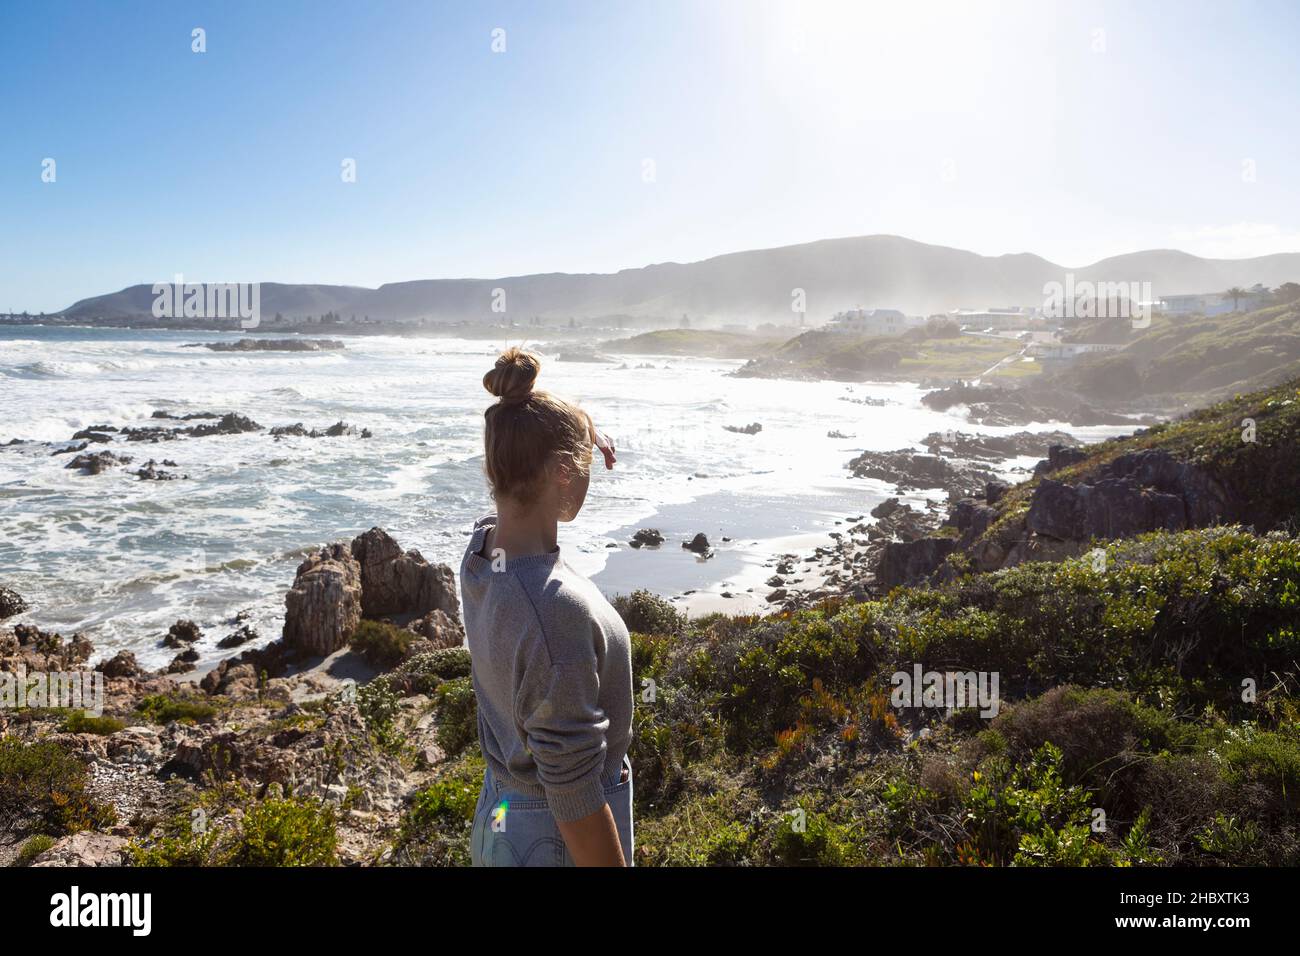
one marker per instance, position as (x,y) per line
(512,378)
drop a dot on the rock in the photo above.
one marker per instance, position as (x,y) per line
(240,636)
(122,664)
(909,562)
(1142,491)
(401,585)
(151,472)
(159,413)
(95,463)
(271,345)
(908,470)
(999,405)
(885,508)
(334,431)
(972,517)
(135,745)
(996,447)
(96,435)
(229,424)
(1058,457)
(323,607)
(234,679)
(296,430)
(647,536)
(86,848)
(182,634)
(183,662)
(994,490)
(698,544)
(753,428)
(11,603)
(439,629)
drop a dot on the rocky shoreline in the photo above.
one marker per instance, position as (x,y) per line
(279,719)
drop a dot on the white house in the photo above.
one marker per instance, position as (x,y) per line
(873,322)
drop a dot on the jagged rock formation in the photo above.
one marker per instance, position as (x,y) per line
(323,607)
(401,584)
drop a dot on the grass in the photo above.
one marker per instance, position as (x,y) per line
(699,342)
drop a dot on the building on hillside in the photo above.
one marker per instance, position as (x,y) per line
(1213,303)
(873,322)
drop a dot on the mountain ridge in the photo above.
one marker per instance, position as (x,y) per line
(758,285)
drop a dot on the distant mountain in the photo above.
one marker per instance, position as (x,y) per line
(750,287)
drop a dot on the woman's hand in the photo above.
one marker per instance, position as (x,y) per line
(605,444)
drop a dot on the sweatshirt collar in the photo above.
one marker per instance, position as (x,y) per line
(477,561)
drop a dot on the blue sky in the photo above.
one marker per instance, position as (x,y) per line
(613,134)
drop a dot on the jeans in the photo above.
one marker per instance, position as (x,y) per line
(527,835)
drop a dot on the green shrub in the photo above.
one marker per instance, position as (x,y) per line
(33,847)
(808,838)
(232,828)
(43,789)
(379,707)
(79,722)
(286,833)
(383,645)
(435,826)
(647,613)
(457,714)
(165,708)
(1271,758)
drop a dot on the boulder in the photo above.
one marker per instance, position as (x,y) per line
(323,607)
(885,508)
(438,628)
(1060,456)
(95,463)
(698,544)
(1142,491)
(85,849)
(401,584)
(647,536)
(909,562)
(182,634)
(11,603)
(123,664)
(994,490)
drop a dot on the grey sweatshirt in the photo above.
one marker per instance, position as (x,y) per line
(552,670)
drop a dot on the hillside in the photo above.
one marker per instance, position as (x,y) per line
(839,356)
(697,342)
(751,287)
(1198,357)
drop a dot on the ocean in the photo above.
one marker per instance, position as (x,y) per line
(122,559)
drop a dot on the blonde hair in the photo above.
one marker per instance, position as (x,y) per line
(525,429)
